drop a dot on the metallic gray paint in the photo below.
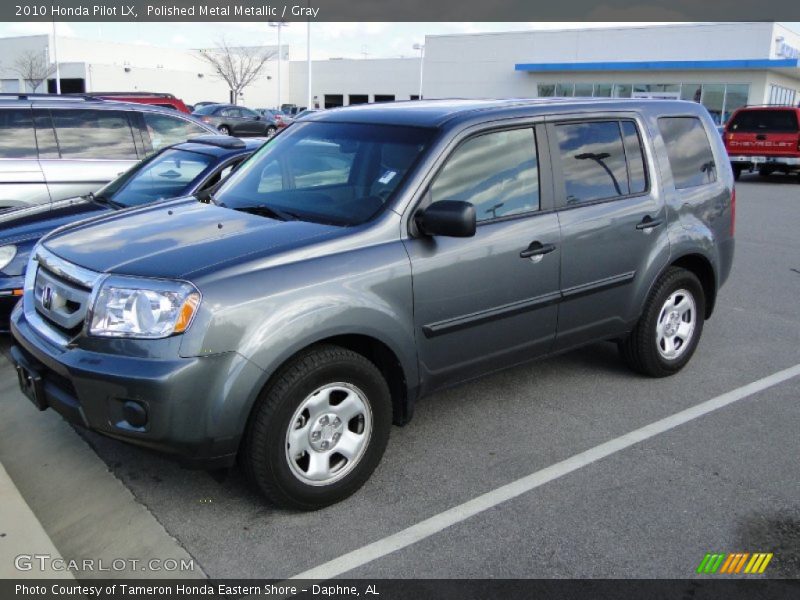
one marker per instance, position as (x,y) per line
(272,288)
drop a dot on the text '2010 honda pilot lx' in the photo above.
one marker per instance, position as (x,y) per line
(370,255)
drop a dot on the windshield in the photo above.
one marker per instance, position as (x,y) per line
(337,173)
(166,175)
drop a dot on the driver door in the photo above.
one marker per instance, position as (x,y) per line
(488,301)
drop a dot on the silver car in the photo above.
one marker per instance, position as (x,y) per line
(57,147)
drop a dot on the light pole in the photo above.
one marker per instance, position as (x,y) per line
(421,48)
(55,60)
(308,63)
(280,25)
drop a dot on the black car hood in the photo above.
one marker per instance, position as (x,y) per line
(178,239)
(33,222)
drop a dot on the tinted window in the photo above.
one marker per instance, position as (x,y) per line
(17,139)
(689,151)
(764,121)
(94,134)
(246,112)
(206,109)
(593,161)
(166,175)
(637,178)
(341,173)
(45,134)
(498,173)
(166,130)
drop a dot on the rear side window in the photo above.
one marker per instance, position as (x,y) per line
(689,151)
(764,121)
(498,173)
(166,130)
(593,160)
(94,134)
(17,139)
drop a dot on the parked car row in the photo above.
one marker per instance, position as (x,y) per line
(57,147)
(363,258)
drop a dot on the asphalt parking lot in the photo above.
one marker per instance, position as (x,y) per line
(726,481)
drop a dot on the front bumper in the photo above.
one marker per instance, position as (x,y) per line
(196,408)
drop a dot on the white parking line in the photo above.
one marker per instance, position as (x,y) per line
(462,512)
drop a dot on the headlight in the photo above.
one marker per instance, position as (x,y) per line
(7,254)
(143,308)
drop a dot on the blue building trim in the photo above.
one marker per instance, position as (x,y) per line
(663,65)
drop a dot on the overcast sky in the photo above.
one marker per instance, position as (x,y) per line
(350,40)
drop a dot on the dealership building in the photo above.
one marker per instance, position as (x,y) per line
(722,65)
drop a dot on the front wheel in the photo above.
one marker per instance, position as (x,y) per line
(319,429)
(271,130)
(669,329)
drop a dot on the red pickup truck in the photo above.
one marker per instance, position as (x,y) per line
(766,138)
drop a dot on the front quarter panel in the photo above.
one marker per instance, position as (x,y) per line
(270,309)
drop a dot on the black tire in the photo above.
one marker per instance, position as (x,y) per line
(737,172)
(264,451)
(764,171)
(639,350)
(271,130)
(224,129)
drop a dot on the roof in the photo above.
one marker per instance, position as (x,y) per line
(438,113)
(661,65)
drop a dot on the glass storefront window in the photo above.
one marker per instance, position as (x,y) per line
(735,97)
(565,89)
(603,90)
(545,90)
(714,100)
(692,92)
(622,90)
(583,90)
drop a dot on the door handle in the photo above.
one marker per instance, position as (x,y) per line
(537,249)
(649,223)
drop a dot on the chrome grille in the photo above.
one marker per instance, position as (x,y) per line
(59,301)
(57,296)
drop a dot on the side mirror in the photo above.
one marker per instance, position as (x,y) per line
(449,218)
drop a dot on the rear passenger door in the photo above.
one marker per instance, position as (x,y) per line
(488,301)
(80,150)
(21,178)
(613,225)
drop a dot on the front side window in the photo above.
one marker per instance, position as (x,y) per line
(498,173)
(85,133)
(166,175)
(689,151)
(338,173)
(17,139)
(166,130)
(592,160)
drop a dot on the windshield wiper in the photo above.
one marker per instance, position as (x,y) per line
(101,199)
(269,211)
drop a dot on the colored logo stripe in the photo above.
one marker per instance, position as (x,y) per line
(734,563)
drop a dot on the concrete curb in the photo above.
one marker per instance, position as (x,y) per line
(22,534)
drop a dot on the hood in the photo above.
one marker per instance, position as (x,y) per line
(178,239)
(33,222)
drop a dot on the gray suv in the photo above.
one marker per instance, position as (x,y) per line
(56,147)
(371,255)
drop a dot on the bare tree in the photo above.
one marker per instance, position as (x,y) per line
(238,66)
(33,67)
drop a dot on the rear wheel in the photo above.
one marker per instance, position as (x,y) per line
(764,171)
(319,430)
(737,172)
(224,130)
(271,130)
(669,329)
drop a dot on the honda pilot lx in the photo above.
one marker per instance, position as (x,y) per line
(368,256)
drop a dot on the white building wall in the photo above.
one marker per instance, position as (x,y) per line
(395,76)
